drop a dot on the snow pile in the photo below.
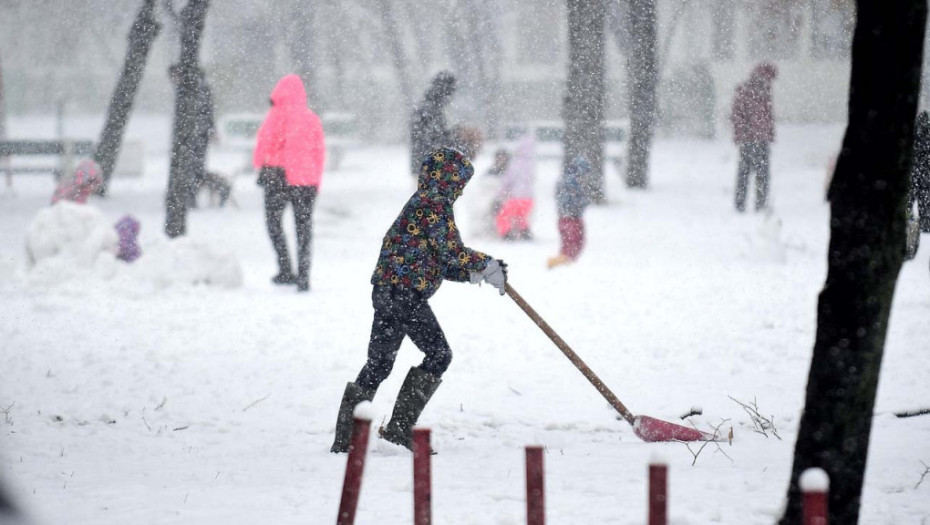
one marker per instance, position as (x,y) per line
(188,261)
(68,241)
(766,244)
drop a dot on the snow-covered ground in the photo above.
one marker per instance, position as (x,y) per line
(134,397)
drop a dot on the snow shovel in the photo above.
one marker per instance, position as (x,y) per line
(647,428)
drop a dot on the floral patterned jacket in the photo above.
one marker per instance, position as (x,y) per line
(424,246)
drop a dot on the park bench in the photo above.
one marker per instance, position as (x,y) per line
(64,150)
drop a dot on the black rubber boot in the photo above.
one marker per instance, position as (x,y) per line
(344,421)
(418,388)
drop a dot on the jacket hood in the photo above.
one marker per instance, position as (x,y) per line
(442,87)
(289,91)
(444,173)
(765,71)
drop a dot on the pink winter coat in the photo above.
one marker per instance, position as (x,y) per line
(291,137)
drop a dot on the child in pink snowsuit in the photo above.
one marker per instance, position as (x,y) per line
(516,193)
(83,183)
(571,200)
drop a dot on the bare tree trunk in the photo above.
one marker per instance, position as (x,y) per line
(193,18)
(392,33)
(867,204)
(144,30)
(642,66)
(584,98)
(4,161)
(301,47)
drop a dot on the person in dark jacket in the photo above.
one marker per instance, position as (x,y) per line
(428,129)
(920,172)
(571,200)
(753,131)
(420,250)
(204,122)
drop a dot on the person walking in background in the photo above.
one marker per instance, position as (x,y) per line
(420,250)
(204,122)
(428,129)
(571,200)
(753,132)
(516,192)
(289,154)
(920,172)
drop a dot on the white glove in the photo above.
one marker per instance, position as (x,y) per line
(494,274)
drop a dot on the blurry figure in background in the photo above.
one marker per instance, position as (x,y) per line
(571,200)
(468,140)
(84,182)
(753,131)
(920,172)
(290,154)
(428,129)
(918,191)
(127,228)
(516,192)
(420,250)
(204,131)
(484,196)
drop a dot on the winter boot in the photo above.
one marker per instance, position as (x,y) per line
(558,260)
(419,386)
(284,278)
(344,421)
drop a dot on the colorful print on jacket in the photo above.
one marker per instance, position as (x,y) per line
(424,246)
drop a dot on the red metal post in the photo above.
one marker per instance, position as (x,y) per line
(658,494)
(422,478)
(358,448)
(815,485)
(535,493)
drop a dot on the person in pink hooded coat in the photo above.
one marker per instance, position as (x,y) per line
(289,154)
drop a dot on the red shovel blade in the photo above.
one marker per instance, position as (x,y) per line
(650,429)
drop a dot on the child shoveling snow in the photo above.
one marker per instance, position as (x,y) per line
(420,250)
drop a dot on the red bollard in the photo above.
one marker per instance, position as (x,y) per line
(658,494)
(422,478)
(535,494)
(354,467)
(815,484)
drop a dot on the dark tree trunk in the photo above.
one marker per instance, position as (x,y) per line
(643,72)
(143,33)
(301,47)
(584,98)
(193,17)
(392,33)
(867,205)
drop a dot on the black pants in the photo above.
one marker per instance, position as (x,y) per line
(919,192)
(277,194)
(400,313)
(753,157)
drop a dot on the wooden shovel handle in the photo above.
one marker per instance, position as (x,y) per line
(571,355)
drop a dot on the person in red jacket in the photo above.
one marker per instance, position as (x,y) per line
(289,154)
(753,132)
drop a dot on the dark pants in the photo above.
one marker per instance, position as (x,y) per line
(400,313)
(919,193)
(277,194)
(753,157)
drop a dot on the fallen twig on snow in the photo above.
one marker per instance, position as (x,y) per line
(912,413)
(256,402)
(761,424)
(922,476)
(7,418)
(712,438)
